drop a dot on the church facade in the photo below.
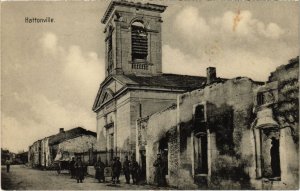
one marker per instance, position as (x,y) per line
(134,86)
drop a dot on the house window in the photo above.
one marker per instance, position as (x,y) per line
(199,114)
(139,42)
(260,98)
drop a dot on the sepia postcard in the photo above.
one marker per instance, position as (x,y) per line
(150,94)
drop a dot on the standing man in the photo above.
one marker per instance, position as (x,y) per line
(7,162)
(99,167)
(159,175)
(134,170)
(114,170)
(79,169)
(126,169)
(72,168)
(119,167)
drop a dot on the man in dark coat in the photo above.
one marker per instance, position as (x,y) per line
(79,170)
(7,162)
(99,167)
(72,168)
(126,169)
(159,173)
(134,170)
(119,168)
(116,169)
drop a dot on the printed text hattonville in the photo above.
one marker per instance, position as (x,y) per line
(39,20)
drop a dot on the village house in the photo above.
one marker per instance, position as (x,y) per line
(234,134)
(62,146)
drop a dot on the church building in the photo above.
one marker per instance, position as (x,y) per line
(134,84)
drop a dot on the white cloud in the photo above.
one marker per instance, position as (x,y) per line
(174,61)
(49,42)
(191,24)
(231,64)
(60,97)
(236,43)
(83,69)
(48,117)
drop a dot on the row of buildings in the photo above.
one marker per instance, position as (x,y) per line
(216,133)
(14,158)
(62,147)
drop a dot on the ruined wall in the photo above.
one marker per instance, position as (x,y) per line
(46,159)
(158,126)
(145,103)
(229,115)
(35,154)
(286,112)
(79,144)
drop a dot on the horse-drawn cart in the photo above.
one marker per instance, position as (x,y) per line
(62,166)
(62,162)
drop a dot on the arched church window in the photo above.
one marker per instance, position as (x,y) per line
(139,42)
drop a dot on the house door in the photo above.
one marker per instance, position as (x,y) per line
(200,150)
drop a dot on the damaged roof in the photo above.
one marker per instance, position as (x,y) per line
(69,134)
(170,81)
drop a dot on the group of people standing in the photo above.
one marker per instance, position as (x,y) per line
(77,169)
(131,170)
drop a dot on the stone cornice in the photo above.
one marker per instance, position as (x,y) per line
(147,6)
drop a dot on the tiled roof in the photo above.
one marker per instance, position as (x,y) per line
(164,82)
(69,134)
(170,81)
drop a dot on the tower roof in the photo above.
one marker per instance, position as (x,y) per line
(146,6)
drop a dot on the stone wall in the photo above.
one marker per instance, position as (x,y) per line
(286,112)
(158,126)
(229,116)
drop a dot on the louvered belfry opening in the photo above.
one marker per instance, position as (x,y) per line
(139,42)
(109,51)
(109,54)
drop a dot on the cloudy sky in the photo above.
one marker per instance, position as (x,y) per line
(51,72)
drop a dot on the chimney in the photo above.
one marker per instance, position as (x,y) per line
(61,130)
(211,75)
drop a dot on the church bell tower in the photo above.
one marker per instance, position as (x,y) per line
(133,38)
